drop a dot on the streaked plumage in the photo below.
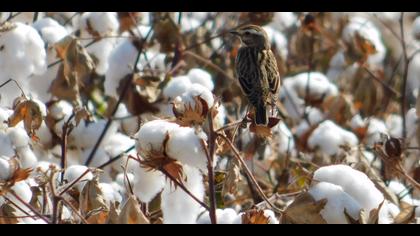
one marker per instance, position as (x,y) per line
(256,68)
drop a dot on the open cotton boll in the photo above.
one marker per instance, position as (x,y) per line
(22,55)
(151,136)
(413,74)
(177,86)
(101,51)
(196,90)
(319,85)
(177,206)
(223,216)
(290,99)
(337,202)
(367,30)
(87,134)
(23,190)
(400,190)
(110,195)
(102,23)
(27,157)
(394,125)
(120,64)
(283,20)
(50,30)
(60,109)
(147,184)
(74,172)
(18,136)
(353,182)
(314,116)
(284,137)
(387,213)
(375,129)
(5,169)
(329,137)
(200,76)
(185,146)
(6,145)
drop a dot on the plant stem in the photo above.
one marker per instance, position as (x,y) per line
(405,75)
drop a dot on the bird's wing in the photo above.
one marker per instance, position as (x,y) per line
(245,69)
(272,72)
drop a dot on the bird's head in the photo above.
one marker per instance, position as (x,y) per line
(252,36)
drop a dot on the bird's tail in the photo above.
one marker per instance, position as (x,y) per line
(261,115)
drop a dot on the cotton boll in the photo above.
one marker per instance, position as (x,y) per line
(290,99)
(375,129)
(329,137)
(413,74)
(147,184)
(74,172)
(184,145)
(43,166)
(110,195)
(24,192)
(200,76)
(152,134)
(60,109)
(129,125)
(394,125)
(400,190)
(176,86)
(22,55)
(319,85)
(102,23)
(353,182)
(6,145)
(27,157)
(283,20)
(101,51)
(337,202)
(196,90)
(50,30)
(223,216)
(284,137)
(88,133)
(5,169)
(314,116)
(177,206)
(18,136)
(120,64)
(387,213)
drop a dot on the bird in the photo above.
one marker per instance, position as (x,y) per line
(256,69)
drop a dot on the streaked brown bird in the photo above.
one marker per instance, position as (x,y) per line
(257,70)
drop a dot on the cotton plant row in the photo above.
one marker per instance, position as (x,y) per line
(168,151)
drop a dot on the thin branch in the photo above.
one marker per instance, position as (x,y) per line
(248,172)
(74,182)
(30,207)
(116,157)
(174,180)
(17,84)
(405,76)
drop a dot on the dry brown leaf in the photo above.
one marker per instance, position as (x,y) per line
(264,131)
(406,215)
(187,115)
(350,219)
(75,74)
(131,213)
(136,102)
(166,31)
(8,214)
(114,214)
(7,26)
(82,113)
(232,178)
(128,20)
(92,203)
(29,112)
(372,217)
(339,108)
(304,210)
(255,217)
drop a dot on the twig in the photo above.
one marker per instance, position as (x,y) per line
(405,75)
(74,182)
(30,207)
(35,17)
(248,172)
(210,158)
(173,179)
(116,157)
(386,86)
(17,84)
(68,204)
(66,131)
(120,99)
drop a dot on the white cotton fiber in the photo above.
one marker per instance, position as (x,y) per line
(200,76)
(328,137)
(223,216)
(353,182)
(152,134)
(74,172)
(184,145)
(337,202)
(177,206)
(176,86)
